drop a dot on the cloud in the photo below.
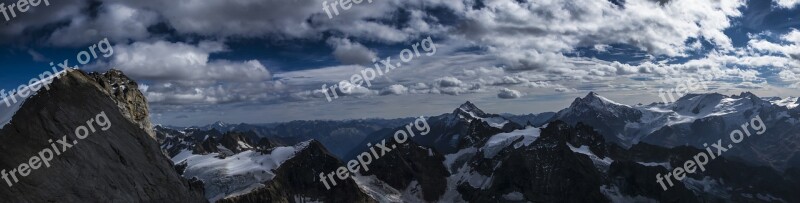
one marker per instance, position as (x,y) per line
(37,56)
(114,21)
(448,82)
(182,74)
(506,93)
(40,17)
(453,86)
(787,4)
(348,52)
(394,90)
(564,89)
(180,61)
(483,46)
(789,47)
(531,35)
(286,20)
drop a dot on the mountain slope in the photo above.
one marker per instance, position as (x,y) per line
(122,164)
(560,162)
(695,120)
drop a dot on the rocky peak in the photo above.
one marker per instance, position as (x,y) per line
(236,142)
(470,108)
(118,163)
(126,94)
(752,98)
(595,100)
(297,180)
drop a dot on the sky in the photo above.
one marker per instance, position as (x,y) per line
(262,61)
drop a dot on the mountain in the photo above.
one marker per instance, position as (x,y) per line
(466,126)
(602,151)
(296,180)
(122,163)
(610,118)
(597,150)
(696,120)
(558,162)
(243,167)
(536,120)
(339,137)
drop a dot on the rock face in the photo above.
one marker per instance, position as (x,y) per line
(695,120)
(408,163)
(297,180)
(561,162)
(122,164)
(127,96)
(547,170)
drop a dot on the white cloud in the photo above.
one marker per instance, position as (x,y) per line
(179,61)
(394,90)
(114,21)
(506,93)
(787,4)
(348,52)
(180,73)
(531,35)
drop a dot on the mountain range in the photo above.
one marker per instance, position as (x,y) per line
(596,150)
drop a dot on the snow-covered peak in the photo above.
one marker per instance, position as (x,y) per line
(468,112)
(220,124)
(788,102)
(237,174)
(600,101)
(694,104)
(470,108)
(593,102)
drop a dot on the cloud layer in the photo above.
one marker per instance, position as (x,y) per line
(507,49)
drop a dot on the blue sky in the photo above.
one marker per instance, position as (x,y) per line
(265,61)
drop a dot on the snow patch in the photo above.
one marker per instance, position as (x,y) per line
(236,174)
(378,189)
(664,164)
(500,141)
(496,122)
(788,102)
(707,185)
(451,159)
(602,164)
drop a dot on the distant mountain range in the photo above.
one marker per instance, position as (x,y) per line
(596,150)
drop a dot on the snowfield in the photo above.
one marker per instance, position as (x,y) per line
(237,174)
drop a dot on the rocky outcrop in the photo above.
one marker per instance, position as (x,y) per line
(127,96)
(545,171)
(410,162)
(122,164)
(297,180)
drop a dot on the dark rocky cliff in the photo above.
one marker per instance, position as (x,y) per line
(122,164)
